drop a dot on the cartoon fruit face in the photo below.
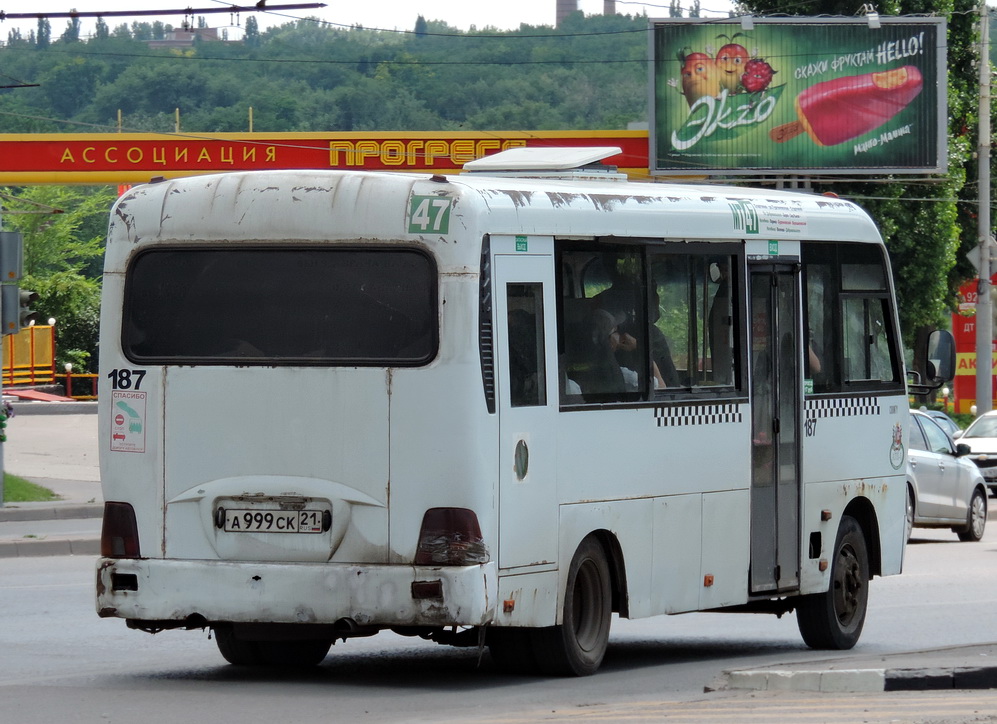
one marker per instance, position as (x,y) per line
(757,75)
(731,60)
(700,77)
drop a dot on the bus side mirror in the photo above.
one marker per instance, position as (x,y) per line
(936,357)
(940,356)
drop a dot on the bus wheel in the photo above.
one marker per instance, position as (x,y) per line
(910,513)
(283,654)
(834,619)
(236,651)
(576,647)
(976,521)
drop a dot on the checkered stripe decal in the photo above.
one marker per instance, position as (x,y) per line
(842,407)
(683,415)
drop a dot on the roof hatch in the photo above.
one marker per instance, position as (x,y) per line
(549,162)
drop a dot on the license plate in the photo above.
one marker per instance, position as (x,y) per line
(989,473)
(273,521)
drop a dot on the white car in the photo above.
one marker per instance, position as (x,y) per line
(944,489)
(981,437)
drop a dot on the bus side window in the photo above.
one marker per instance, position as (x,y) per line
(527,371)
(692,319)
(849,320)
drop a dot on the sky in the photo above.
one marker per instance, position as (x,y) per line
(387,14)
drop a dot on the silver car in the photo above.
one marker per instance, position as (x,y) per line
(981,437)
(944,489)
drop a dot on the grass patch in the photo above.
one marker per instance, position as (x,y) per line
(19,490)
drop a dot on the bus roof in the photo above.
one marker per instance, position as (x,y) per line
(342,205)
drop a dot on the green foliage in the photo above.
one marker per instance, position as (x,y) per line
(63,227)
(74,302)
(305,76)
(63,257)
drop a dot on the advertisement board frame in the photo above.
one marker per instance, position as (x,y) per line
(934,81)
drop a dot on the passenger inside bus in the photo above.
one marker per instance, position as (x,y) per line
(661,353)
(623,299)
(721,319)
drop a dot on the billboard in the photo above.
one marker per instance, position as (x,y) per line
(137,157)
(798,95)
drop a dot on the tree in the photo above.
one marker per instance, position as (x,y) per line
(72,32)
(73,301)
(142,31)
(63,230)
(101,32)
(420,27)
(44,37)
(252,35)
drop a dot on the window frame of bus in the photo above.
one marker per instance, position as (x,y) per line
(647,248)
(836,255)
(431,290)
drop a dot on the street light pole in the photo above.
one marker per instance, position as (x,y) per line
(984,304)
(1,383)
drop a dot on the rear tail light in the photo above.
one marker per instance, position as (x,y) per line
(119,533)
(450,537)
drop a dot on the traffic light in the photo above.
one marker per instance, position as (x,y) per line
(11,256)
(15,308)
(11,260)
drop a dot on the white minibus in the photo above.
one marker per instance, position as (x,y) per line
(493,409)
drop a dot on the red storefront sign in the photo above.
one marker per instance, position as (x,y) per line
(116,158)
(964,331)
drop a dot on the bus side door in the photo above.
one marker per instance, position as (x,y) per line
(525,353)
(775,361)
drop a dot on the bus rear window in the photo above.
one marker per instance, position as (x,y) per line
(296,305)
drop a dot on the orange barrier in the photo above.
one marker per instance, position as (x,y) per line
(29,356)
(80,386)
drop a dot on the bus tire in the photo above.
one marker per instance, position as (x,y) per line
(976,518)
(834,619)
(276,654)
(236,651)
(910,512)
(576,647)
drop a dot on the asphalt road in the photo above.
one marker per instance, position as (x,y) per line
(62,663)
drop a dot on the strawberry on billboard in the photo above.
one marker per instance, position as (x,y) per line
(798,95)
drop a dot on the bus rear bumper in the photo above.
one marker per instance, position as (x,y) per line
(201,592)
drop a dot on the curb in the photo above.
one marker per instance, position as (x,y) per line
(38,547)
(54,408)
(864,680)
(50,512)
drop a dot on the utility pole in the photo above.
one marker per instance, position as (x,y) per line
(2,468)
(984,304)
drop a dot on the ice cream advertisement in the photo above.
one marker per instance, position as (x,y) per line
(794,96)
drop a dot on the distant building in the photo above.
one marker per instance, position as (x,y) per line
(182,38)
(564,9)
